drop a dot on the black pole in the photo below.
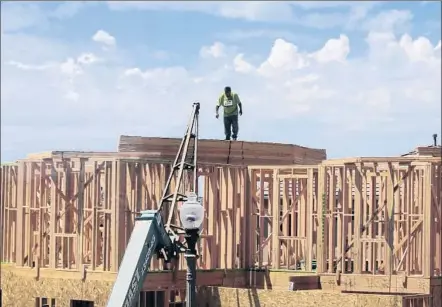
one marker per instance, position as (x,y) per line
(191,236)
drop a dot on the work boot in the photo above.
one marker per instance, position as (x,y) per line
(227,139)
(234,139)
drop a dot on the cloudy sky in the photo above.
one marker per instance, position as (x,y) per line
(355,78)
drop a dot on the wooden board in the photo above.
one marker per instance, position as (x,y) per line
(226,152)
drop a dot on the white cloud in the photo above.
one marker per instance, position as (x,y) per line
(248,10)
(304,79)
(217,50)
(420,49)
(379,98)
(70,67)
(20,16)
(23,66)
(68,9)
(309,5)
(350,15)
(269,11)
(385,46)
(241,65)
(257,10)
(103,37)
(88,58)
(16,15)
(158,74)
(284,57)
(241,35)
(334,50)
(71,95)
(389,21)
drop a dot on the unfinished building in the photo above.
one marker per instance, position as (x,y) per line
(283,226)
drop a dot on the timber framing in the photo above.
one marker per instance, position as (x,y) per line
(361,224)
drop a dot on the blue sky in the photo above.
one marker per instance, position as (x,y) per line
(355,78)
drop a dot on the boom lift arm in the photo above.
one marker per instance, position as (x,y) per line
(150,235)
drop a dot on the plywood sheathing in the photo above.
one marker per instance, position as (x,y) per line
(225,152)
(429,151)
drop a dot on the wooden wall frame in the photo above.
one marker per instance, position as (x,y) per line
(74,211)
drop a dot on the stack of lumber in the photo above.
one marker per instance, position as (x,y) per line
(224,152)
(426,151)
(97,155)
(69,155)
(432,151)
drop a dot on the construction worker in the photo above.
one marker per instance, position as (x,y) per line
(232,106)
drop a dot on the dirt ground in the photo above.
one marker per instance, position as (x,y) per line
(22,291)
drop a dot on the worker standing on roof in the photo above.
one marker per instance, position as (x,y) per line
(232,106)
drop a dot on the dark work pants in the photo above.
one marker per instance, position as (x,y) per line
(231,126)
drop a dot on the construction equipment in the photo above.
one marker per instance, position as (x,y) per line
(150,235)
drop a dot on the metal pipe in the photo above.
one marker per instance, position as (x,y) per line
(195,148)
(191,236)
